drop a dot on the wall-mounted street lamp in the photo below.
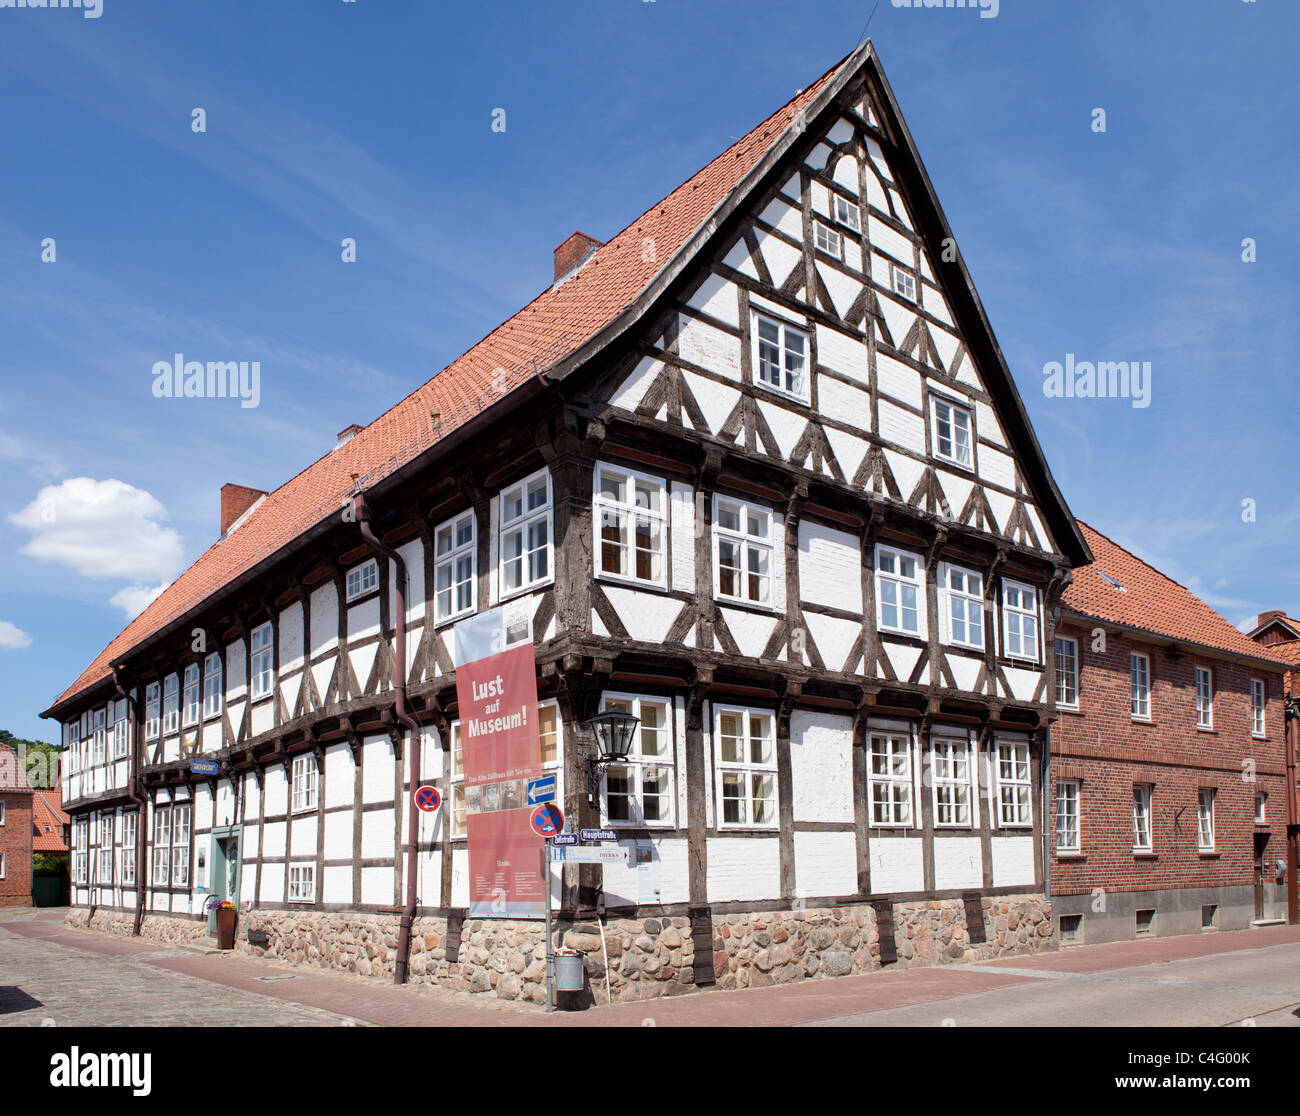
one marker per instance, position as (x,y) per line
(614,731)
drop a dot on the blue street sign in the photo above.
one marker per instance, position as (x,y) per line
(565,839)
(541,790)
(598,835)
(204,767)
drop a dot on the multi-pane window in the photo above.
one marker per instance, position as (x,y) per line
(363,580)
(457,751)
(212,685)
(964,590)
(1141,818)
(742,551)
(162,846)
(781,356)
(152,710)
(950,775)
(526,533)
(455,550)
(826,239)
(900,591)
(304,783)
(639,791)
(630,511)
(129,822)
(261,661)
(1204,699)
(1067,672)
(746,758)
(302,883)
(104,865)
(1013,785)
(1205,819)
(1019,621)
(80,843)
(847,212)
(180,846)
(98,745)
(1139,669)
(1067,815)
(1258,697)
(904,283)
(171,703)
(193,695)
(119,729)
(889,776)
(952,433)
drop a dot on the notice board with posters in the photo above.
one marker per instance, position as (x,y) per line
(496,691)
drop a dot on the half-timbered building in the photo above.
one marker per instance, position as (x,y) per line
(756,471)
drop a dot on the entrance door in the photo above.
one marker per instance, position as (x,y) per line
(224,875)
(1261,844)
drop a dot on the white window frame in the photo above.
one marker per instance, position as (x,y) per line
(450,562)
(171,718)
(1073,675)
(899,786)
(748,768)
(956,411)
(120,730)
(362,580)
(104,849)
(214,673)
(192,703)
(749,545)
(969,603)
(903,282)
(1010,585)
(639,763)
(99,739)
(1139,675)
(901,582)
(1205,819)
(130,834)
(1261,807)
(2,866)
(2,813)
(1068,809)
(792,380)
(951,783)
(523,525)
(846,212)
(1204,698)
(181,844)
(152,710)
(631,514)
(1013,772)
(827,239)
(1142,795)
(1258,707)
(162,846)
(302,882)
(261,662)
(305,783)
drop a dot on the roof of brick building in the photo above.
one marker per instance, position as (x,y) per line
(12,776)
(1139,596)
(48,820)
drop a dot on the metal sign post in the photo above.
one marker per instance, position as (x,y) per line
(550,954)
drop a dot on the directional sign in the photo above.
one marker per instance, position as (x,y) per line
(598,835)
(565,839)
(590,854)
(547,820)
(428,799)
(541,790)
(204,767)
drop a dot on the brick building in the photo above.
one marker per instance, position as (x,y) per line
(1167,760)
(15,833)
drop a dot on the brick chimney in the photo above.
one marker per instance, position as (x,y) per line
(570,255)
(1271,614)
(345,435)
(235,500)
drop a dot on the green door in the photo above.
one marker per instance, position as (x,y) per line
(223,871)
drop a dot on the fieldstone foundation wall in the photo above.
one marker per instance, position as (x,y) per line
(641,959)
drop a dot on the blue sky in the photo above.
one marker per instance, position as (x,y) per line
(328,119)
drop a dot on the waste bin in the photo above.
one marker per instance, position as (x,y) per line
(569,975)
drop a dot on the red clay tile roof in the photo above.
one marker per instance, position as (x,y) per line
(1151,602)
(48,820)
(12,776)
(554,324)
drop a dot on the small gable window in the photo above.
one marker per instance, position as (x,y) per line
(780,357)
(827,239)
(904,283)
(847,213)
(952,433)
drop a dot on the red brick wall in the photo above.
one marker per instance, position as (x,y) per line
(1104,747)
(16,844)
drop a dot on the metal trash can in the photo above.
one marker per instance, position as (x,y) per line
(569,972)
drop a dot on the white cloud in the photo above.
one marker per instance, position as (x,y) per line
(101,529)
(134,599)
(12,638)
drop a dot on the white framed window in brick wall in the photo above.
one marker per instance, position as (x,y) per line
(889,778)
(455,567)
(1139,670)
(193,695)
(629,511)
(213,685)
(305,772)
(362,580)
(1142,818)
(1205,819)
(1258,702)
(1204,698)
(1014,789)
(780,356)
(130,822)
(171,719)
(950,778)
(2,813)
(1261,808)
(1067,815)
(961,606)
(745,765)
(261,661)
(951,432)
(302,883)
(900,591)
(642,790)
(1067,673)
(743,548)
(152,710)
(1019,621)
(526,534)
(2,866)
